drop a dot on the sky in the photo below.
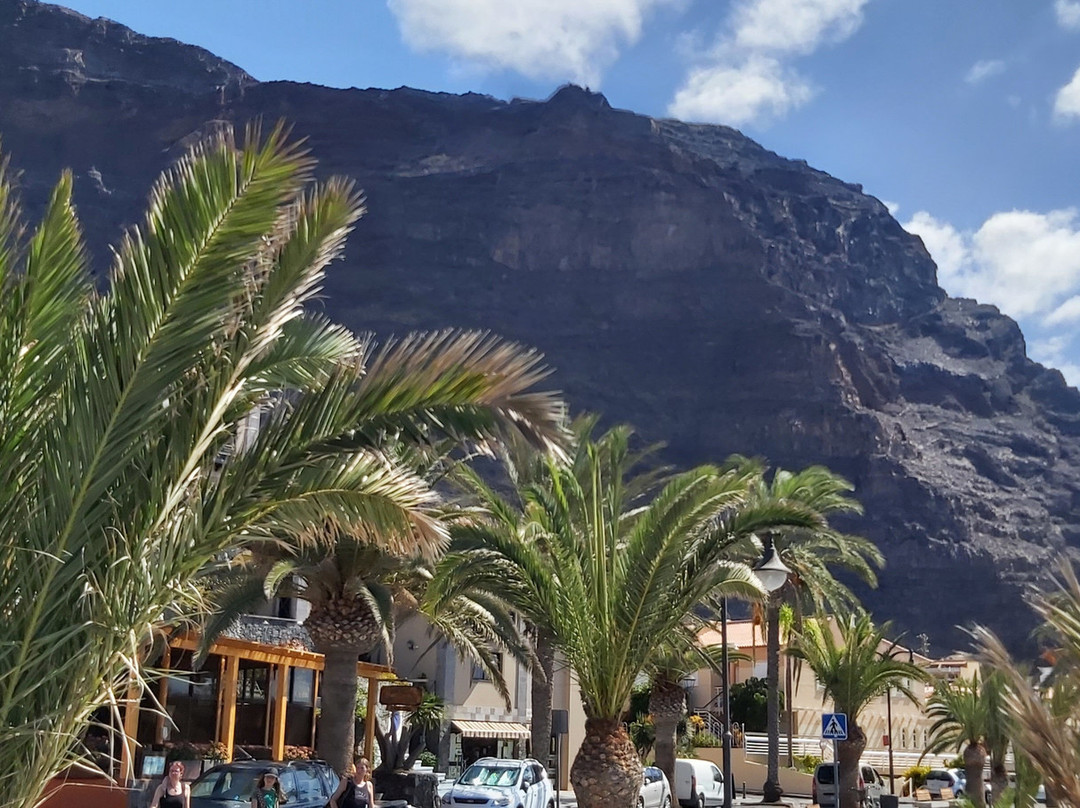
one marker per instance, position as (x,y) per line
(963,116)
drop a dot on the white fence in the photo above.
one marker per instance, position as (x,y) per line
(757,744)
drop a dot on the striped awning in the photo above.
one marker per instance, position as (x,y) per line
(492,729)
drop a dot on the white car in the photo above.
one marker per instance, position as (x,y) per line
(503,783)
(698,783)
(655,789)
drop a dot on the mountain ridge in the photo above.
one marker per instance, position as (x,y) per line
(680,277)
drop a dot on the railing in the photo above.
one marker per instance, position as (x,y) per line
(757,743)
(713,724)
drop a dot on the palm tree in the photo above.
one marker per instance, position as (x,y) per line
(812,555)
(853,672)
(674,660)
(611,574)
(125,464)
(525,469)
(1045,708)
(358,592)
(968,717)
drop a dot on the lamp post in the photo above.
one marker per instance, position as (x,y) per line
(773,574)
(888,724)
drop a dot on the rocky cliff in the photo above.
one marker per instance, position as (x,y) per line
(681,278)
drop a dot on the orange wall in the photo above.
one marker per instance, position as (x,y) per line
(95,793)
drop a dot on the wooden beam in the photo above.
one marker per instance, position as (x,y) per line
(131,730)
(369,718)
(277,718)
(227,703)
(317,684)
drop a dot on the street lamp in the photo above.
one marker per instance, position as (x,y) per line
(773,573)
(888,721)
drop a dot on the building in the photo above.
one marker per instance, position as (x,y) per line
(804,696)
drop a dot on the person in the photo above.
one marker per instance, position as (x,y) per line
(267,792)
(172,792)
(355,789)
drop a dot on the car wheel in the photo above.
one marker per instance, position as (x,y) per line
(640,802)
(700,801)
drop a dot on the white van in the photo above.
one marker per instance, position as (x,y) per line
(698,783)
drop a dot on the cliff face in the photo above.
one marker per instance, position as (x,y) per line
(678,277)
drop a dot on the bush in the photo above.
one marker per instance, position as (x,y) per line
(705,739)
(749,704)
(428,758)
(917,775)
(806,763)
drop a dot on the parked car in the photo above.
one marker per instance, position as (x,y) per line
(502,782)
(655,789)
(698,783)
(956,779)
(870,786)
(305,783)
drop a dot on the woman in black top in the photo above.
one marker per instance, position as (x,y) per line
(173,792)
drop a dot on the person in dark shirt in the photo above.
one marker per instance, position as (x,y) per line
(173,792)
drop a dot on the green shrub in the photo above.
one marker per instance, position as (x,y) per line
(917,775)
(806,763)
(705,739)
(428,758)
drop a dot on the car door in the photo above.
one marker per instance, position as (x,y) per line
(715,794)
(527,790)
(650,787)
(310,788)
(544,787)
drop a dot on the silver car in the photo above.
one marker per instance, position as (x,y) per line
(502,783)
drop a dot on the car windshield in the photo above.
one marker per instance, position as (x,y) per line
(225,784)
(825,774)
(490,774)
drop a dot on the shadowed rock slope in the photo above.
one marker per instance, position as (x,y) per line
(678,277)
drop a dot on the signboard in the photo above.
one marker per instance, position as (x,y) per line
(834,726)
(399,696)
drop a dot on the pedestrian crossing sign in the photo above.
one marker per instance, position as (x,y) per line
(834,726)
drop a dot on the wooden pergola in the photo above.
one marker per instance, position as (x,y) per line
(232,651)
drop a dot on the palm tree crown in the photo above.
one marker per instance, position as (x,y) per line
(125,463)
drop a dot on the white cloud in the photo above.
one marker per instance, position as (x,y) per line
(984,69)
(748,78)
(740,94)
(1068,13)
(549,39)
(892,207)
(793,26)
(1025,263)
(1067,102)
(1067,312)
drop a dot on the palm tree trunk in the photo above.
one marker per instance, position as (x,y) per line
(667,704)
(849,753)
(606,771)
(336,742)
(974,763)
(541,695)
(771,791)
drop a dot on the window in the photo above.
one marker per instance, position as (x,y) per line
(903,738)
(309,786)
(480,675)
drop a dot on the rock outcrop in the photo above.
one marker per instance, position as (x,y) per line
(681,278)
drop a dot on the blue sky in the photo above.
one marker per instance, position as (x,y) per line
(962,115)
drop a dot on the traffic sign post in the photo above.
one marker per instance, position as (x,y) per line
(834,728)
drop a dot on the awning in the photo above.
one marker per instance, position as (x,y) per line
(492,729)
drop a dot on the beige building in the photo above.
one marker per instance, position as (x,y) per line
(805,696)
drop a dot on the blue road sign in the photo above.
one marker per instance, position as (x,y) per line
(834,726)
